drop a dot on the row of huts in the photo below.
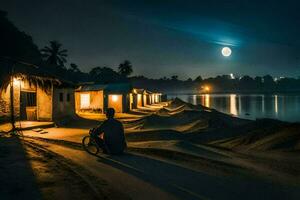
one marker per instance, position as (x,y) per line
(120,96)
(31,100)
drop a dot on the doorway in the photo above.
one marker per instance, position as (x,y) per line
(28,109)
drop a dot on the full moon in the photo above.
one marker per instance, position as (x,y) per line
(226,51)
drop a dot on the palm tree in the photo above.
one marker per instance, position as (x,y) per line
(54,54)
(125,68)
(74,67)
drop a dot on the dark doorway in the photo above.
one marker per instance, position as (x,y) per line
(28,106)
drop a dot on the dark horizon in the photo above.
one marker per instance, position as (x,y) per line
(168,38)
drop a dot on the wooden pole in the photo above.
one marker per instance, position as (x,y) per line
(12,108)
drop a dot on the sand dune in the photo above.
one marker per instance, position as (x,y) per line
(267,135)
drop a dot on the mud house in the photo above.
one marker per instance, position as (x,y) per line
(38,98)
(138,98)
(155,97)
(142,98)
(98,97)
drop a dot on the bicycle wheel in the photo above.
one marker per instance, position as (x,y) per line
(90,145)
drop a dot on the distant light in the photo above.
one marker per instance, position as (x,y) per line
(206,88)
(114,98)
(226,51)
(232,76)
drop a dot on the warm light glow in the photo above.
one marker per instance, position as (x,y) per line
(156,98)
(17,81)
(206,100)
(226,51)
(139,100)
(114,98)
(233,109)
(206,88)
(84,100)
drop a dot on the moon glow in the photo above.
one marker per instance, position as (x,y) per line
(226,51)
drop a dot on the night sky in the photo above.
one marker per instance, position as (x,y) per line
(169,37)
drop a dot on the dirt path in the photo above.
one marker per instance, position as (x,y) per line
(141,177)
(56,179)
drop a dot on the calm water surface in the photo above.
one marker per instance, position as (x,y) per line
(284,107)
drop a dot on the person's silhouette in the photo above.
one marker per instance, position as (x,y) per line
(110,134)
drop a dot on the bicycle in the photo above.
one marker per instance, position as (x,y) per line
(89,143)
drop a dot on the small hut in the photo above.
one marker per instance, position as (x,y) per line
(29,94)
(98,97)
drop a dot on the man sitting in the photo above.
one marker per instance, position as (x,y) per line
(110,134)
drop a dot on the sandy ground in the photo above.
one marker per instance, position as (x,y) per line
(178,151)
(147,177)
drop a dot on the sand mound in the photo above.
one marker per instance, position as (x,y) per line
(185,117)
(180,121)
(176,103)
(264,135)
(167,111)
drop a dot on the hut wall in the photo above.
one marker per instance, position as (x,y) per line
(144,99)
(96,101)
(5,104)
(134,101)
(5,98)
(116,101)
(126,102)
(139,100)
(64,107)
(44,104)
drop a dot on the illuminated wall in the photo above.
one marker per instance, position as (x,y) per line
(139,100)
(145,99)
(44,101)
(153,98)
(115,101)
(131,101)
(156,98)
(85,101)
(95,101)
(44,104)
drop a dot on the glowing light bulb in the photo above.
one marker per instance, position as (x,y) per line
(114,98)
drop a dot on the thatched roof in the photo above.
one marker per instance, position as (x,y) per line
(24,71)
(112,87)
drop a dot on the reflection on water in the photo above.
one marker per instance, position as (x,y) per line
(233,109)
(283,107)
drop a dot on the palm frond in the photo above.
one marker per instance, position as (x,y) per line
(63,51)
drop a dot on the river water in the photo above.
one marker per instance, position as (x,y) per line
(284,107)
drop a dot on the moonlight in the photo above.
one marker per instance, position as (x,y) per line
(226,51)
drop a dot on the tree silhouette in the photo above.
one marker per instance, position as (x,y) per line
(74,67)
(15,43)
(125,68)
(198,79)
(104,75)
(54,54)
(174,78)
